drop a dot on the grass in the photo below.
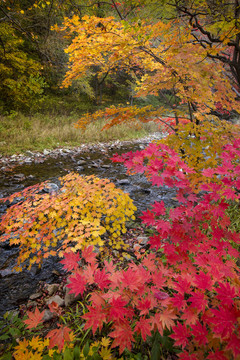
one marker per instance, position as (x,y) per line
(20,133)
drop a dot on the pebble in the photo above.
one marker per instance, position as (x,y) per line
(35,296)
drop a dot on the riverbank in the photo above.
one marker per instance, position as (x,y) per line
(39,133)
(8,162)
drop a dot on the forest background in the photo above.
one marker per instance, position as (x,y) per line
(182,57)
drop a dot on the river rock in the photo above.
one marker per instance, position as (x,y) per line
(6,272)
(51,188)
(29,153)
(70,299)
(81,162)
(51,288)
(19,177)
(46,152)
(143,240)
(48,315)
(123,182)
(35,296)
(57,299)
(79,168)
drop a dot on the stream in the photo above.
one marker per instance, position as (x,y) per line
(16,287)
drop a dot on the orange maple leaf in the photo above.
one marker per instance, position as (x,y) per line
(166,319)
(57,337)
(34,318)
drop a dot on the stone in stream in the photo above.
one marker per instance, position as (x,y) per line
(79,168)
(51,188)
(19,177)
(123,182)
(81,162)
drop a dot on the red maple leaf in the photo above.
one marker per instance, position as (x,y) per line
(226,293)
(89,272)
(155,241)
(118,310)
(144,306)
(204,281)
(209,172)
(198,301)
(224,321)
(163,227)
(186,356)
(143,326)
(178,301)
(101,278)
(123,336)
(77,284)
(148,218)
(57,337)
(131,279)
(89,255)
(34,318)
(190,315)
(157,180)
(217,355)
(70,261)
(200,333)
(234,345)
(95,317)
(180,335)
(159,208)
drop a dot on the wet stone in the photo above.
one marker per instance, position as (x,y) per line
(19,177)
(79,168)
(123,182)
(35,296)
(51,188)
(81,162)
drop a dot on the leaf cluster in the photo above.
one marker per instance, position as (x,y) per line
(79,214)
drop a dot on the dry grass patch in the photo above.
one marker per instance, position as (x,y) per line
(41,132)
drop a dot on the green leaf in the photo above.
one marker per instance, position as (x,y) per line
(86,349)
(7,356)
(68,355)
(156,348)
(76,353)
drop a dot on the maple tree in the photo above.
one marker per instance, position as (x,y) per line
(155,53)
(80,213)
(216,25)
